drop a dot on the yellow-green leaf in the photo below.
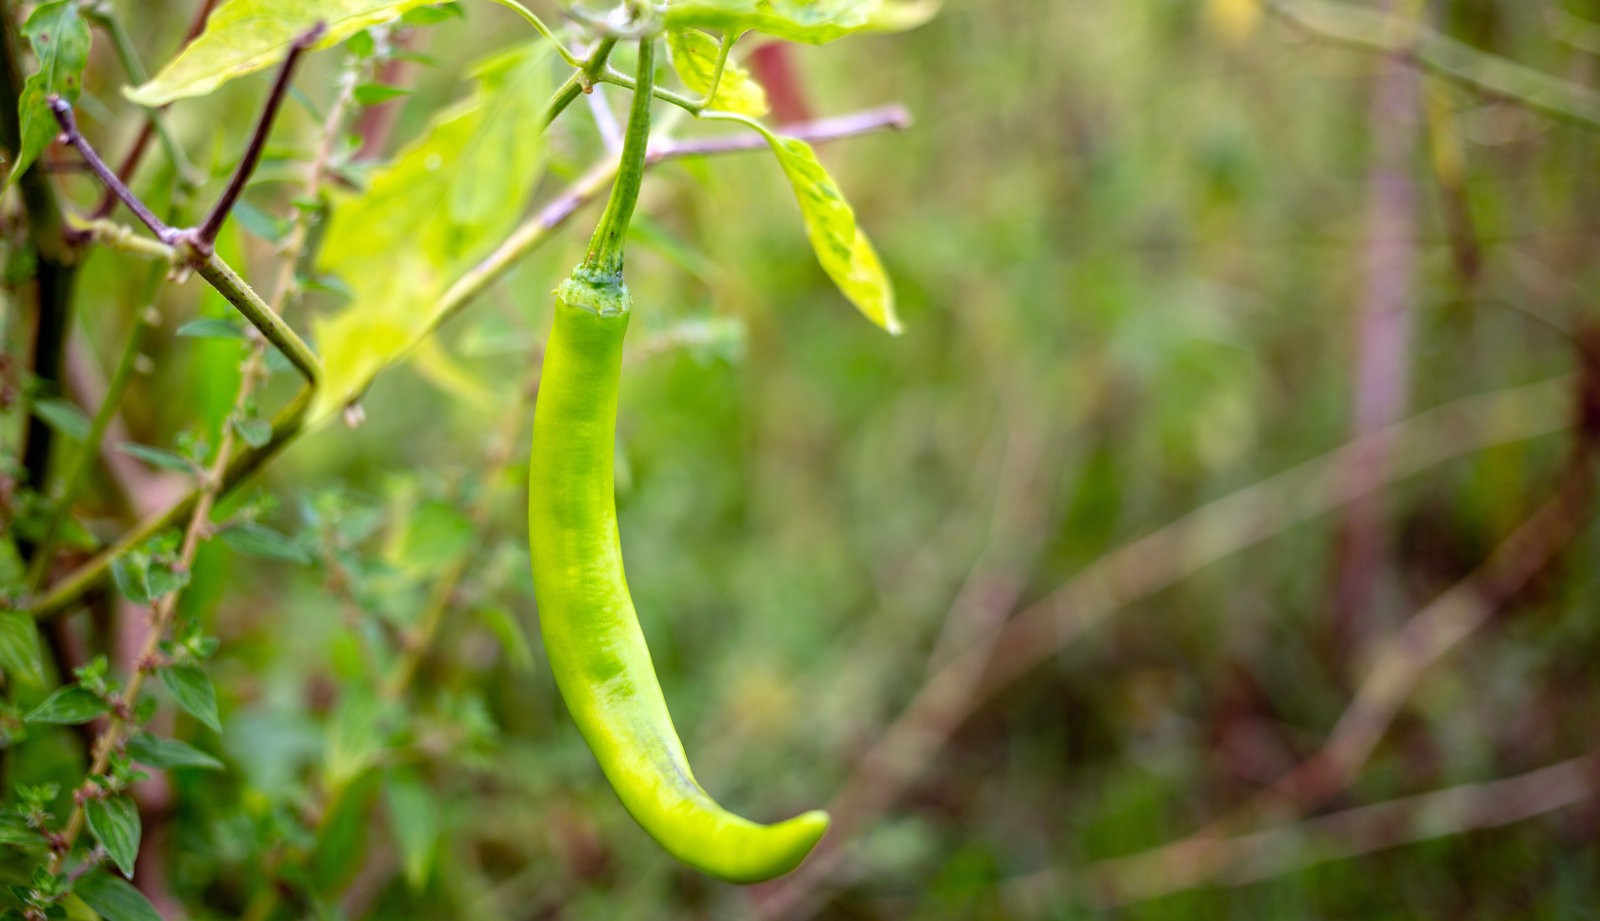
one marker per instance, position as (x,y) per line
(694,57)
(439,368)
(244,36)
(844,251)
(814,21)
(425,218)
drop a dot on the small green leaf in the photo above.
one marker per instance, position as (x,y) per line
(64,417)
(68,706)
(428,15)
(414,816)
(114,899)
(164,580)
(115,823)
(844,251)
(254,432)
(259,223)
(193,691)
(20,656)
(14,830)
(354,737)
(159,752)
(244,36)
(694,57)
(211,328)
(370,94)
(260,540)
(131,574)
(437,534)
(158,457)
(60,41)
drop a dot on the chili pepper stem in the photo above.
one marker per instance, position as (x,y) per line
(603,264)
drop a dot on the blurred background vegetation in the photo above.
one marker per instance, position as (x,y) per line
(1149,255)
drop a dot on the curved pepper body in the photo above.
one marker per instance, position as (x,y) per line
(591,632)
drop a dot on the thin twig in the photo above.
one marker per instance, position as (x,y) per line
(207,232)
(1405,655)
(74,137)
(106,15)
(1286,848)
(115,732)
(1383,339)
(66,491)
(187,247)
(1133,572)
(1349,24)
(141,143)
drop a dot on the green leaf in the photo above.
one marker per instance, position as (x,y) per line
(114,820)
(114,899)
(414,816)
(435,536)
(131,574)
(20,655)
(428,15)
(259,223)
(211,328)
(254,432)
(814,21)
(68,706)
(164,580)
(159,752)
(470,172)
(509,632)
(370,94)
(244,36)
(440,368)
(64,417)
(355,737)
(260,540)
(193,691)
(694,57)
(158,457)
(844,251)
(15,831)
(60,41)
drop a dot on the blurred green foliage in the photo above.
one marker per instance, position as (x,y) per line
(1128,244)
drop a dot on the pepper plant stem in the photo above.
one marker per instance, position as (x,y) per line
(604,260)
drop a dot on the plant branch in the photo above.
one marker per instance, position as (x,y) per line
(207,232)
(604,259)
(1136,571)
(155,119)
(286,427)
(215,481)
(1400,661)
(141,143)
(580,82)
(172,243)
(75,138)
(419,640)
(1349,24)
(55,273)
(1285,848)
(66,491)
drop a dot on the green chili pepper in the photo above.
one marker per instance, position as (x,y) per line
(591,633)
